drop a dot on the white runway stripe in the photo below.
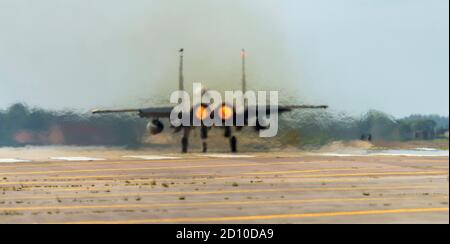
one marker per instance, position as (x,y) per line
(227,156)
(405,153)
(426,149)
(77,159)
(13,160)
(151,157)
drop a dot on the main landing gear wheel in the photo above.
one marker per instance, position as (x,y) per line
(204,137)
(227,132)
(184,144)
(233,144)
(205,147)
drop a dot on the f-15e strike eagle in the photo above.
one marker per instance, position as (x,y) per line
(201,111)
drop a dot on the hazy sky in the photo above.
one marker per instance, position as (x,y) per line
(354,55)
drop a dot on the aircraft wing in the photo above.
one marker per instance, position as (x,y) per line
(164,112)
(288,108)
(154,112)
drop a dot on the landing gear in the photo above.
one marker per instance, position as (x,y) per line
(204,137)
(233,139)
(185,141)
(204,147)
(233,144)
(184,144)
(227,132)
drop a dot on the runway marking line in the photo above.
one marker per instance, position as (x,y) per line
(131,169)
(377,174)
(267,217)
(199,204)
(152,168)
(13,160)
(50,183)
(84,188)
(231,177)
(148,168)
(78,159)
(86,163)
(181,160)
(216,192)
(202,176)
(282,180)
(224,155)
(198,159)
(151,157)
(90,188)
(309,171)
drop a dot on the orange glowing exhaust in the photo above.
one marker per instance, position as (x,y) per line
(201,113)
(225,112)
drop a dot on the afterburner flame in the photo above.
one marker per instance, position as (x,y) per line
(225,112)
(201,113)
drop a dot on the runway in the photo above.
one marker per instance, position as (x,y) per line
(216,188)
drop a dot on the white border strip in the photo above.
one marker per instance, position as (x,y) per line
(77,159)
(13,160)
(151,157)
(227,156)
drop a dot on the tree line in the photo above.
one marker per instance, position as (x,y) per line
(21,125)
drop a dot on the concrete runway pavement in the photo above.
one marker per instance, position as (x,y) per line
(260,188)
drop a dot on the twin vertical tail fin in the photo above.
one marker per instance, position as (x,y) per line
(181,76)
(244,75)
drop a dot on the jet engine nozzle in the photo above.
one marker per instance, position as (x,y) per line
(155,127)
(259,126)
(226,112)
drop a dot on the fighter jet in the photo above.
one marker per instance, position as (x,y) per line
(197,111)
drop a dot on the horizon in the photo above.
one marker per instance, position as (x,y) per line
(331,111)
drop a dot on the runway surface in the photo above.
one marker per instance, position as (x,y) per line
(216,188)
